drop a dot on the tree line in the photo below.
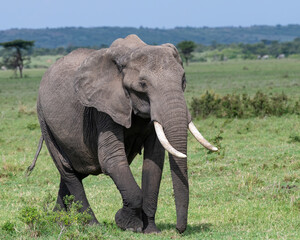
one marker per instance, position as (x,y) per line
(264,47)
(15,53)
(50,51)
(80,36)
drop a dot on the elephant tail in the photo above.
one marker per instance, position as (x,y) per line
(31,167)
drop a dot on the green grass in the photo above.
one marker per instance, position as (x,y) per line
(43,61)
(249,190)
(244,77)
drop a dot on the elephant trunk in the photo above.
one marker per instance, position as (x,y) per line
(177,135)
(175,125)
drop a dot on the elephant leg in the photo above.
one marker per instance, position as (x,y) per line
(63,191)
(77,190)
(71,183)
(154,155)
(74,185)
(113,161)
(129,217)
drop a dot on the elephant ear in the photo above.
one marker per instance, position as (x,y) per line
(99,84)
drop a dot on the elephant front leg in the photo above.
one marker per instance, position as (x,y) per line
(129,217)
(113,161)
(154,155)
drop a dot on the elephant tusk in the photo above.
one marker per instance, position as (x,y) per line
(164,141)
(200,138)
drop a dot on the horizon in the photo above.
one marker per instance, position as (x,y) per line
(161,28)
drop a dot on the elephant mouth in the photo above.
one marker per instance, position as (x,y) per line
(166,144)
(141,114)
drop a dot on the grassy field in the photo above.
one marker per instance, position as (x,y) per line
(43,61)
(249,190)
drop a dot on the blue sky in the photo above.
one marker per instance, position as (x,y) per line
(151,13)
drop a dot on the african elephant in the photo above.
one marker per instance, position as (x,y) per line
(99,108)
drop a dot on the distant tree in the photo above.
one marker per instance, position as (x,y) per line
(16,57)
(214,45)
(201,48)
(275,48)
(266,41)
(297,39)
(186,48)
(253,50)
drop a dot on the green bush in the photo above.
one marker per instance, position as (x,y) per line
(236,106)
(42,221)
(8,227)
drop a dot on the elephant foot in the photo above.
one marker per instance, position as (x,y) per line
(180,229)
(151,228)
(129,219)
(149,225)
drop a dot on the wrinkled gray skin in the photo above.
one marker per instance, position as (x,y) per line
(96,110)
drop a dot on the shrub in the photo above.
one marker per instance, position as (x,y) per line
(205,105)
(294,138)
(230,106)
(33,219)
(236,106)
(8,227)
(40,221)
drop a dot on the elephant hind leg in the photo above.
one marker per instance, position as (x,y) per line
(71,182)
(73,186)
(63,191)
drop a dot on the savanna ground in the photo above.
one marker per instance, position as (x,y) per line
(249,190)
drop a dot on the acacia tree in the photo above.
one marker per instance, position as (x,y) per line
(16,58)
(186,48)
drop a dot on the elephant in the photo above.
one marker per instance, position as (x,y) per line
(98,109)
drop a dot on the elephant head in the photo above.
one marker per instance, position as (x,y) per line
(149,81)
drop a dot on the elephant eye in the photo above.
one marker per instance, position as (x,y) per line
(143,85)
(183,82)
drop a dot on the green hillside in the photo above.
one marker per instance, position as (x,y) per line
(97,36)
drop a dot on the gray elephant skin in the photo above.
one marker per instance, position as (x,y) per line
(99,108)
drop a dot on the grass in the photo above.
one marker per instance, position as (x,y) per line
(43,61)
(249,190)
(271,76)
